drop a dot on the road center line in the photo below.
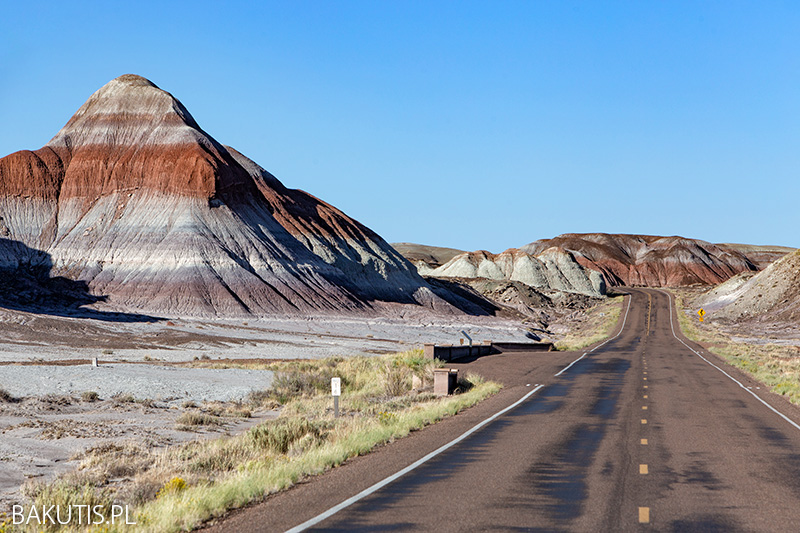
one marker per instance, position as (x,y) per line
(380,484)
(753,394)
(624,319)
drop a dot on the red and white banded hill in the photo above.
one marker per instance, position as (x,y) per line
(133,198)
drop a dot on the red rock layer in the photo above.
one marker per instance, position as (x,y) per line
(133,198)
(651,261)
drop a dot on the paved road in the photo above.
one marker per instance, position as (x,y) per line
(641,434)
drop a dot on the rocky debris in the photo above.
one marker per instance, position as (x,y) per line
(772,295)
(551,268)
(650,261)
(142,209)
(536,308)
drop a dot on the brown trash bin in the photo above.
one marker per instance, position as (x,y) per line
(444,381)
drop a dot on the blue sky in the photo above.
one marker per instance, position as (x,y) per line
(476,125)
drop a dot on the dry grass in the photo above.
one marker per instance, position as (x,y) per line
(776,366)
(184,485)
(600,322)
(192,419)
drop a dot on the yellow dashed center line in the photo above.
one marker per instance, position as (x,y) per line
(644,512)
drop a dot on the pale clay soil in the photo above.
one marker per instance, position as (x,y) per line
(45,364)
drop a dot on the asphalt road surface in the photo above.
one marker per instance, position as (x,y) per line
(645,433)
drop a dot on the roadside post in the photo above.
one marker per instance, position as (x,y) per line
(336,391)
(468,339)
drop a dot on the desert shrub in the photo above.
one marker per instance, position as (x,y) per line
(294,383)
(397,378)
(6,396)
(89,396)
(466,382)
(176,484)
(279,435)
(123,398)
(64,493)
(213,458)
(116,460)
(193,418)
(57,399)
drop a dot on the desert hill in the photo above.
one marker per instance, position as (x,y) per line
(651,261)
(133,199)
(550,269)
(772,295)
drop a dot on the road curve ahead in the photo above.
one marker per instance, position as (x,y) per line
(646,433)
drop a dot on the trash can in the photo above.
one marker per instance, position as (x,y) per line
(444,381)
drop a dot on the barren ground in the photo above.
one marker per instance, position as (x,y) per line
(148,377)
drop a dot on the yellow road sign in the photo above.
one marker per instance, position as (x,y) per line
(702,313)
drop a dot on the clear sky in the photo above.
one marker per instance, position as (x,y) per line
(475,125)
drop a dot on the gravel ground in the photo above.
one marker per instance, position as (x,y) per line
(162,383)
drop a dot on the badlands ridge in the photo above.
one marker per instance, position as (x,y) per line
(133,207)
(135,201)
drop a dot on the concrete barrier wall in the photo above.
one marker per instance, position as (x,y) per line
(450,352)
(525,346)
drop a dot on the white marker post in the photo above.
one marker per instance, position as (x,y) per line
(336,391)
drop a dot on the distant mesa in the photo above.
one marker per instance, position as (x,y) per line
(133,199)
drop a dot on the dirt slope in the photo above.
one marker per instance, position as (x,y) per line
(772,295)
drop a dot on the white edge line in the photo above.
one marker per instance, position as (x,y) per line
(379,485)
(569,365)
(624,319)
(753,394)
